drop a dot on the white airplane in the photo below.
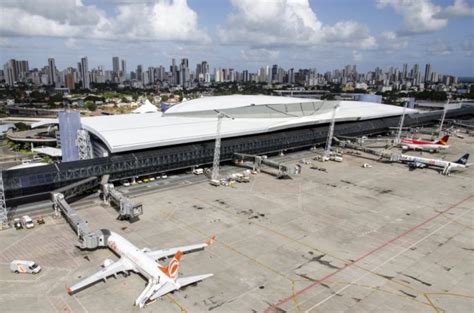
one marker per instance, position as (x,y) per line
(447,166)
(161,280)
(423,145)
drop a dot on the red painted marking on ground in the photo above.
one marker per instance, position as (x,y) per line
(321,280)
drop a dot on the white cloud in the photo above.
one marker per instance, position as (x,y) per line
(460,8)
(259,55)
(439,48)
(468,46)
(419,16)
(356,55)
(391,41)
(159,20)
(263,23)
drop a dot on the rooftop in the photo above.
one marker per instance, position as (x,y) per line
(195,120)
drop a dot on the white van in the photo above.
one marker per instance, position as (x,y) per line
(27,222)
(198,171)
(22,266)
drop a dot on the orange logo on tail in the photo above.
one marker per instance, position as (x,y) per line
(172,269)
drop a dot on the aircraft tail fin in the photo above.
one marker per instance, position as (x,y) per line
(463,160)
(443,140)
(172,269)
(211,240)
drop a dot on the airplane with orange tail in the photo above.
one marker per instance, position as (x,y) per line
(424,145)
(161,279)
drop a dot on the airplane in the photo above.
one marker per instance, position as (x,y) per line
(424,145)
(161,280)
(446,166)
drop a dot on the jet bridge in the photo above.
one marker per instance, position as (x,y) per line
(283,169)
(127,209)
(87,239)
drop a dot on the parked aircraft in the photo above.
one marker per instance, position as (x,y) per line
(424,145)
(161,280)
(446,166)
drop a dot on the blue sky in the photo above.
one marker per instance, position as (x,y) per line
(242,34)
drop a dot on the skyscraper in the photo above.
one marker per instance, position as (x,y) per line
(427,73)
(184,73)
(124,70)
(405,71)
(274,72)
(116,69)
(116,65)
(52,71)
(11,75)
(139,72)
(85,73)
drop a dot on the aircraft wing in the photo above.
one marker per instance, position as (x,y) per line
(180,282)
(165,253)
(109,270)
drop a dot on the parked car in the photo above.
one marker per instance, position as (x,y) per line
(17,223)
(23,266)
(27,222)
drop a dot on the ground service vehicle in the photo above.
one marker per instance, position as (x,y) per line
(23,266)
(27,222)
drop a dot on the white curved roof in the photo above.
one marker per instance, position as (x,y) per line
(233,101)
(196,120)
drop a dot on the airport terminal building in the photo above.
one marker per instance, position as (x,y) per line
(130,145)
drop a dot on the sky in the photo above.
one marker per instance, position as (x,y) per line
(242,34)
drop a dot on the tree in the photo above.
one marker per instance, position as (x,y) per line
(91,106)
(21,126)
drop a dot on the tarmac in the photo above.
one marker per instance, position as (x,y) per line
(352,239)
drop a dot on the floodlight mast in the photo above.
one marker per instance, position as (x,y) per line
(217,147)
(445,109)
(400,127)
(327,152)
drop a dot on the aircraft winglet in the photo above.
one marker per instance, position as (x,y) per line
(211,240)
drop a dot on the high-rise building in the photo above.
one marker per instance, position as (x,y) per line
(427,73)
(52,71)
(405,71)
(174,73)
(116,65)
(70,81)
(10,72)
(124,70)
(116,69)
(85,73)
(139,72)
(184,73)
(274,72)
(79,71)
(291,76)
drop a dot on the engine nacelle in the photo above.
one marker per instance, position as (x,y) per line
(146,250)
(107,262)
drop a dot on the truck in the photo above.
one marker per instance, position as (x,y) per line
(27,222)
(23,266)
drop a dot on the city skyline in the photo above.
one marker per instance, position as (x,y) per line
(180,73)
(243,34)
